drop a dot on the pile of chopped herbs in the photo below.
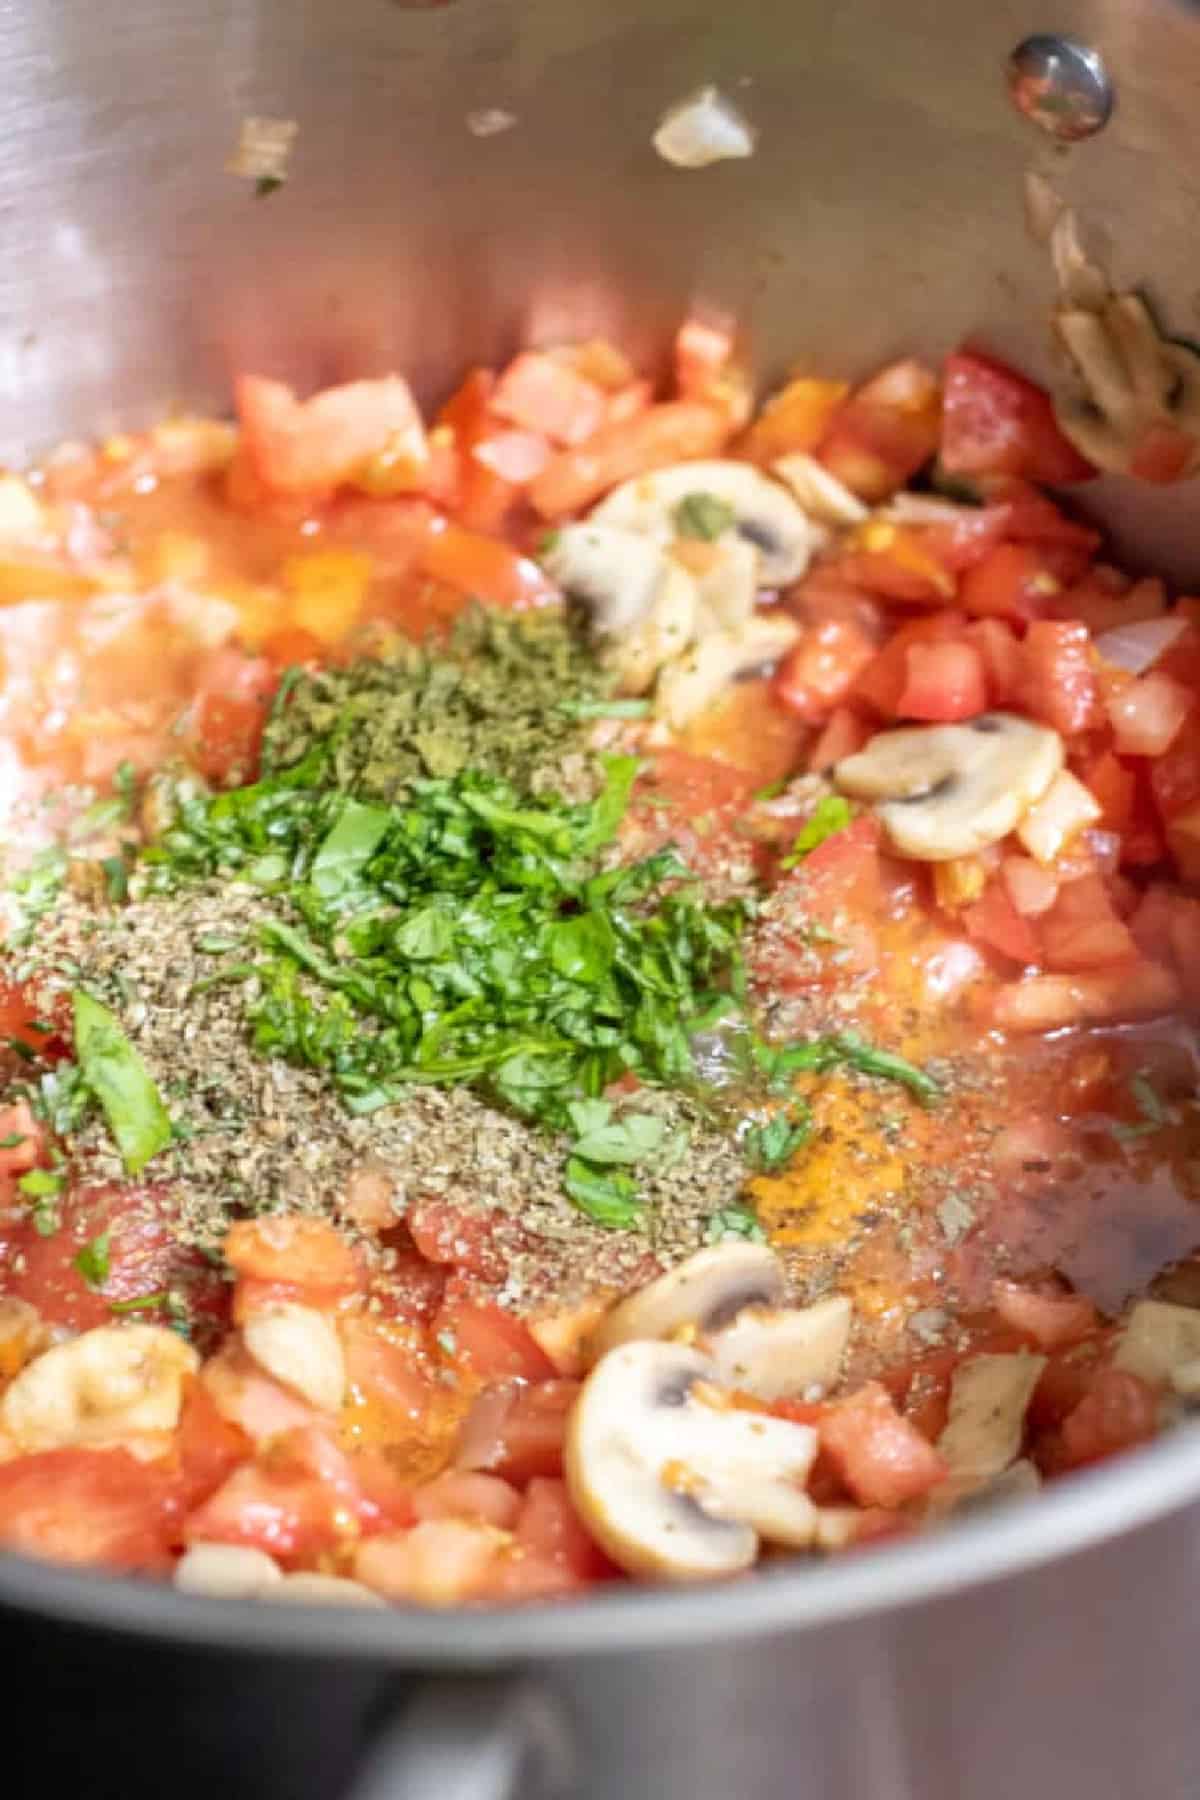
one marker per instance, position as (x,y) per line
(507,695)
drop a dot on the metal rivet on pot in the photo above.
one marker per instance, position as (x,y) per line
(1062,85)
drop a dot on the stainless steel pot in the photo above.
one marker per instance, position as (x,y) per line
(1046,1652)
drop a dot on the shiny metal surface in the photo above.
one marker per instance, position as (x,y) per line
(882,212)
(1060,86)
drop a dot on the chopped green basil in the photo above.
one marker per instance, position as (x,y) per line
(1152,1113)
(832,814)
(607,1196)
(120,1081)
(703,516)
(92,1261)
(734,1222)
(42,1184)
(771,1145)
(604,709)
(12,1140)
(349,847)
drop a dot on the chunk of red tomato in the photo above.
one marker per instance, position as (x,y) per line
(821,668)
(552,1553)
(885,432)
(879,1454)
(943,682)
(1083,929)
(456,1235)
(994,921)
(1118,1412)
(93,1507)
(1051,1321)
(313,446)
(492,1342)
(996,422)
(1059,683)
(517,1431)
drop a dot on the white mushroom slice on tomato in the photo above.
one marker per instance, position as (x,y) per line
(1137,395)
(989,1398)
(615,573)
(712,499)
(698,1297)
(106,1386)
(726,578)
(226,1571)
(943,791)
(774,1351)
(672,1484)
(1158,1341)
(823,497)
(693,681)
(310,1588)
(661,637)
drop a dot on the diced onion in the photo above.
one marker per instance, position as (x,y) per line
(1136,648)
(1063,811)
(705,128)
(928,509)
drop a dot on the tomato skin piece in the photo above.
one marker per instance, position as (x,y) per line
(88,1507)
(821,668)
(1059,685)
(881,1457)
(674,431)
(490,1341)
(996,422)
(1118,1411)
(311,447)
(944,682)
(1050,1321)
(885,432)
(845,733)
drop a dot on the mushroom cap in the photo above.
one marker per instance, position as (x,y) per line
(674,1487)
(702,672)
(943,791)
(703,1293)
(615,572)
(765,514)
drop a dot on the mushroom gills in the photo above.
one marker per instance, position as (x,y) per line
(674,1484)
(943,791)
(760,511)
(702,1294)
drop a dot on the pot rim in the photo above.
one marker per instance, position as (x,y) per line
(1073,1515)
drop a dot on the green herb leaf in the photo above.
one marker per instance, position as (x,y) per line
(604,709)
(42,1184)
(889,1067)
(734,1222)
(832,814)
(92,1261)
(116,877)
(12,1140)
(348,849)
(1153,1114)
(634,1138)
(141,1303)
(607,1196)
(703,516)
(117,1076)
(771,1145)
(611,804)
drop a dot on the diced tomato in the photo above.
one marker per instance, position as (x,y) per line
(882,1458)
(1031,517)
(1051,1321)
(994,920)
(1064,1382)
(1147,714)
(675,431)
(440,1562)
(209,1446)
(491,1341)
(885,432)
(88,1507)
(1049,1002)
(297,1499)
(1113,787)
(458,1235)
(484,568)
(896,563)
(20,1018)
(312,446)
(1003,664)
(1011,582)
(1117,1412)
(1163,454)
(996,422)
(819,671)
(944,682)
(845,733)
(542,394)
(143,1260)
(1059,683)
(553,1553)
(703,350)
(1082,930)
(1031,888)
(517,1431)
(290,1252)
(389,1372)
(962,540)
(516,456)
(22,1139)
(468,1494)
(794,420)
(882,682)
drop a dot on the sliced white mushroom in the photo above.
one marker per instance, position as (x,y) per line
(300,1347)
(737,499)
(615,573)
(773,1351)
(1132,386)
(108,1385)
(691,683)
(989,1398)
(943,791)
(663,635)
(1159,1339)
(964,1494)
(698,1296)
(726,578)
(226,1571)
(674,1486)
(823,497)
